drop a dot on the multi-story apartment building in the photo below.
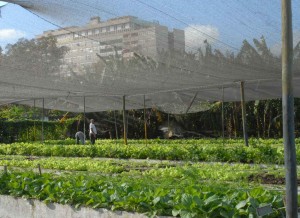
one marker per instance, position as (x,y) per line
(123,35)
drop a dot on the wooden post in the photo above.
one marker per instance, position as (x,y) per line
(288,110)
(124,121)
(244,114)
(116,128)
(168,125)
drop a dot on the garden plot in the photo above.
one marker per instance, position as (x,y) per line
(150,186)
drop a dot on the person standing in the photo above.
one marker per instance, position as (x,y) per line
(92,132)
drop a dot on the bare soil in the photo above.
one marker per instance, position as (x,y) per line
(269,179)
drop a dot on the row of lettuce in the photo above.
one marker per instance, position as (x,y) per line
(186,150)
(151,194)
(173,170)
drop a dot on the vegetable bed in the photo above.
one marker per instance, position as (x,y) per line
(259,151)
(154,196)
(166,178)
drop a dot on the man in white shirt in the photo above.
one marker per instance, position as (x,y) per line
(92,132)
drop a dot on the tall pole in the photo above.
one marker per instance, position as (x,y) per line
(168,123)
(34,130)
(223,130)
(288,110)
(145,121)
(43,117)
(124,121)
(84,117)
(244,113)
(116,129)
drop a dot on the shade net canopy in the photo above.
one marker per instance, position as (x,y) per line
(176,56)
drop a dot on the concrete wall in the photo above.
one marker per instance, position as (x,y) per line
(11,207)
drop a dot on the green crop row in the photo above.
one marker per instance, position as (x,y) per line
(225,142)
(154,196)
(178,150)
(197,171)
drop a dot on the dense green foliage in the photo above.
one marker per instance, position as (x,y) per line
(43,50)
(31,130)
(174,169)
(264,120)
(259,151)
(162,196)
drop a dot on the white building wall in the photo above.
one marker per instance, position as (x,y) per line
(122,35)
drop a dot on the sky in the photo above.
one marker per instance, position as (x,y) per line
(224,24)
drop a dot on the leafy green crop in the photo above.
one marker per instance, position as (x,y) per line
(159,196)
(260,151)
(186,189)
(198,171)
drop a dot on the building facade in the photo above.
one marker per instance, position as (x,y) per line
(121,35)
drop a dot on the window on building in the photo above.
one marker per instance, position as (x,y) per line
(97,31)
(90,32)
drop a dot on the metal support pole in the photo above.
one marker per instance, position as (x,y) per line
(34,128)
(244,113)
(43,117)
(84,117)
(145,121)
(168,124)
(288,110)
(223,129)
(124,121)
(116,128)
